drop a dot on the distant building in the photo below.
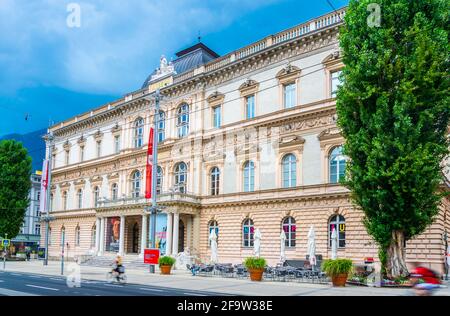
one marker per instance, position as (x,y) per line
(31,230)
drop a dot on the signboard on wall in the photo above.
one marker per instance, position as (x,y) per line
(151,256)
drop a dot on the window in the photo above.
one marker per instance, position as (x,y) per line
(77,236)
(250,107)
(290,229)
(337,222)
(161,127)
(38,196)
(37,229)
(96,196)
(117,144)
(99,148)
(138,133)
(54,161)
(335,82)
(183,120)
(213,225)
(65,200)
(159,180)
(289,171)
(289,96)
(217,116)
(80,198)
(337,165)
(248,231)
(136,184)
(249,176)
(81,153)
(215,181)
(114,192)
(67,159)
(93,236)
(181,177)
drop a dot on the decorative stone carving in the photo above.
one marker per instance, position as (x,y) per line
(329,133)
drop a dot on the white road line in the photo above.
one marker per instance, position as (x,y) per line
(1,281)
(152,290)
(15,293)
(56,279)
(35,276)
(112,285)
(16,274)
(42,287)
(194,294)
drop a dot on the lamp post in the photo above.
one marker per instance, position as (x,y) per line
(5,252)
(446,255)
(46,218)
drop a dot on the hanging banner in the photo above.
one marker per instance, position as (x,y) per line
(149,167)
(44,186)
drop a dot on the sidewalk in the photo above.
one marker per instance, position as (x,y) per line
(184,280)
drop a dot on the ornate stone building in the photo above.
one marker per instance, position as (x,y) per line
(247,140)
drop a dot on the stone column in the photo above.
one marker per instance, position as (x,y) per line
(176,226)
(143,235)
(196,235)
(189,232)
(97,234)
(122,236)
(169,234)
(101,237)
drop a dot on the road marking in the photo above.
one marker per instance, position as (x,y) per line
(112,285)
(15,293)
(35,276)
(56,279)
(1,281)
(42,287)
(16,274)
(194,294)
(155,290)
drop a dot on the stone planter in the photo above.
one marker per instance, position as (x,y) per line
(165,269)
(256,274)
(339,279)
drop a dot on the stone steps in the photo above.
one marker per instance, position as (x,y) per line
(106,261)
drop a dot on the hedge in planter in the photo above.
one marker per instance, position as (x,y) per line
(165,264)
(338,270)
(255,267)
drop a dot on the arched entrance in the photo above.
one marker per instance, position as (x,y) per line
(181,237)
(135,238)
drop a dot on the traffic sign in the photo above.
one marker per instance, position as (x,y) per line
(151,256)
(6,242)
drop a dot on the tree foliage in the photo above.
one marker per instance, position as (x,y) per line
(393,110)
(15,184)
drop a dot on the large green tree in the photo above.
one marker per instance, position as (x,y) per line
(393,109)
(15,184)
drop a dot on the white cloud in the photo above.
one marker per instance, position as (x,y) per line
(117,46)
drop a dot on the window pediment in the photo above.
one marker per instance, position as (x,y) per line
(249,87)
(330,133)
(116,129)
(291,140)
(98,135)
(288,73)
(333,59)
(67,146)
(96,179)
(216,98)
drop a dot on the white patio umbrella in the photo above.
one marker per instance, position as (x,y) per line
(312,246)
(334,244)
(282,247)
(213,239)
(257,243)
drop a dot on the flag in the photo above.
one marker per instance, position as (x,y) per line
(149,167)
(44,188)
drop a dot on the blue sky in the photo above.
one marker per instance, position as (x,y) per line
(51,71)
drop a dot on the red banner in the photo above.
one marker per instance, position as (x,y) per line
(149,167)
(151,256)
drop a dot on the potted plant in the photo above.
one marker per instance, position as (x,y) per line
(255,267)
(165,264)
(338,270)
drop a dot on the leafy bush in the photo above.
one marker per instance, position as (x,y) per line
(166,261)
(255,263)
(337,266)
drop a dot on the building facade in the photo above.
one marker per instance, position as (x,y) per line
(30,232)
(247,140)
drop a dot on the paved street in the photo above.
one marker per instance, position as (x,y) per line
(32,278)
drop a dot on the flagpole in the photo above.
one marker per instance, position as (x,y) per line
(49,139)
(154,208)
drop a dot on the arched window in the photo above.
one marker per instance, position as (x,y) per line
(96,196)
(289,163)
(213,225)
(138,136)
(249,176)
(215,181)
(290,229)
(181,177)
(77,236)
(159,180)
(136,184)
(65,200)
(183,120)
(337,222)
(337,165)
(93,235)
(161,127)
(80,198)
(114,192)
(248,231)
